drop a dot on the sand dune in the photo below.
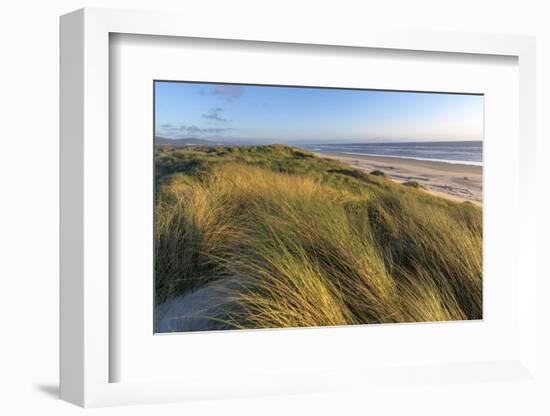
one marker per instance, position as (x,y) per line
(455,181)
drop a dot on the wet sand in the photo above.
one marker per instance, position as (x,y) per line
(454,181)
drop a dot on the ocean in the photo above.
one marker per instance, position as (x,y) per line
(463,152)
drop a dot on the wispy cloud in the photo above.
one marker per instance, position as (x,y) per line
(185,131)
(214,115)
(225,92)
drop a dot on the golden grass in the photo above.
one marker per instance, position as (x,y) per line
(301,251)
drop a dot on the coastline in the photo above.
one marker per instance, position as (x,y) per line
(455,181)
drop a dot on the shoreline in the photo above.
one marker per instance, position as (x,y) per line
(455,181)
(452,162)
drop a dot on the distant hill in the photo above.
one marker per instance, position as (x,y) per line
(183,142)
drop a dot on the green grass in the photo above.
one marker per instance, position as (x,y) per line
(296,240)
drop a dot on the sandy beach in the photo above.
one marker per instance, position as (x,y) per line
(454,181)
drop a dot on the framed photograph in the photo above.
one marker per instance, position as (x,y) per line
(289,207)
(270,212)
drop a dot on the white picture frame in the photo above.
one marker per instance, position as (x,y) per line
(85,211)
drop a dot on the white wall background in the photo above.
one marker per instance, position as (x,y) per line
(29,202)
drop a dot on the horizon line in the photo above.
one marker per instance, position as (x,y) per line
(310,141)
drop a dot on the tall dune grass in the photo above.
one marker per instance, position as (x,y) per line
(314,247)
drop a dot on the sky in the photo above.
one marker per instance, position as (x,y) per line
(267,114)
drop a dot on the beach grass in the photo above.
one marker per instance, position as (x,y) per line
(294,240)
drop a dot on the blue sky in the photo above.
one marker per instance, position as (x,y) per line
(262,114)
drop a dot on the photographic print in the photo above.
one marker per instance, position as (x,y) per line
(291,207)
